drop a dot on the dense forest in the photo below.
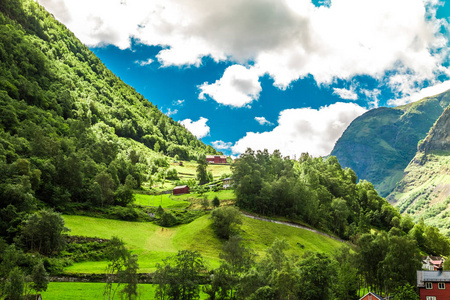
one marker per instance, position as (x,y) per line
(71,132)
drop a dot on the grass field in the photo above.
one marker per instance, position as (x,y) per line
(166,201)
(89,291)
(182,201)
(152,243)
(189,170)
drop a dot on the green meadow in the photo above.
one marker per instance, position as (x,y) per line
(189,169)
(90,290)
(152,243)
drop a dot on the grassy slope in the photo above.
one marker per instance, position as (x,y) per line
(88,291)
(425,190)
(153,243)
(189,169)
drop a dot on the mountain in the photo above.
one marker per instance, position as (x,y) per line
(72,134)
(424,190)
(379,144)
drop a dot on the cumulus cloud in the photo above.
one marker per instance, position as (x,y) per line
(221,145)
(346,94)
(238,87)
(423,93)
(198,128)
(287,40)
(303,130)
(263,121)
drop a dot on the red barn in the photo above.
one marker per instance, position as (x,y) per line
(182,189)
(216,159)
(371,296)
(433,285)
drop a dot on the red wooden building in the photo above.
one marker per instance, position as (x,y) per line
(182,189)
(216,159)
(434,285)
(371,296)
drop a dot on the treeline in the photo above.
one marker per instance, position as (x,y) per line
(72,134)
(320,193)
(277,275)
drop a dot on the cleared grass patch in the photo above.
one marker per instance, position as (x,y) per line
(88,290)
(152,243)
(166,201)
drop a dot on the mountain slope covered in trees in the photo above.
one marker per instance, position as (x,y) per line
(71,132)
(424,191)
(379,144)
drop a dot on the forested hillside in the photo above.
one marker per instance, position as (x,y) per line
(71,132)
(379,144)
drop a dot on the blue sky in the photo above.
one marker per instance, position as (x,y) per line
(288,75)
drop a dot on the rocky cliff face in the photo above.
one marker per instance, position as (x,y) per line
(379,144)
(438,138)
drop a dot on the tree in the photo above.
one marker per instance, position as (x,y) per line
(179,276)
(202,172)
(226,221)
(106,183)
(406,292)
(39,277)
(43,232)
(316,274)
(116,270)
(216,201)
(15,284)
(205,203)
(129,277)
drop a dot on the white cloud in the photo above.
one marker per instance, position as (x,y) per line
(197,128)
(372,97)
(171,112)
(179,102)
(287,39)
(416,94)
(346,94)
(263,121)
(238,87)
(143,63)
(303,130)
(221,145)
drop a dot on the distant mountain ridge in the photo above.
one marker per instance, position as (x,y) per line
(379,144)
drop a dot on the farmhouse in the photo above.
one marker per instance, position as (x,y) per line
(371,296)
(433,285)
(432,263)
(227,183)
(182,189)
(216,159)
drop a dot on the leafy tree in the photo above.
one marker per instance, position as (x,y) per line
(202,172)
(179,276)
(406,292)
(130,278)
(39,277)
(43,232)
(117,256)
(226,221)
(15,284)
(205,203)
(216,201)
(168,219)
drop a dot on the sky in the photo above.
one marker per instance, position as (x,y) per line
(268,74)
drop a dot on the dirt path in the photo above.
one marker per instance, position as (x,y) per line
(294,225)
